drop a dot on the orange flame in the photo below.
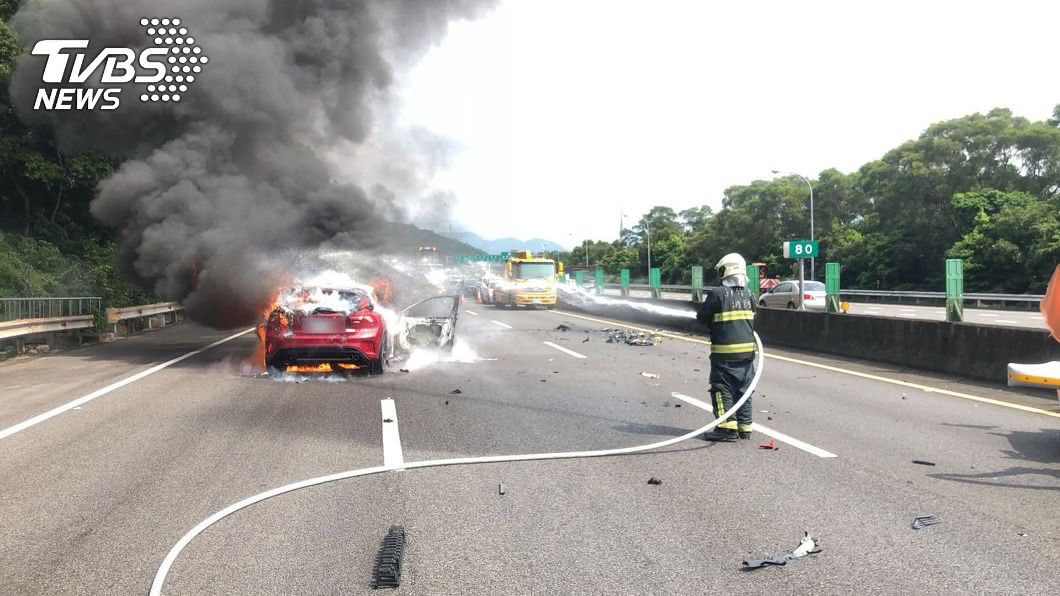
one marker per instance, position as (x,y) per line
(321,368)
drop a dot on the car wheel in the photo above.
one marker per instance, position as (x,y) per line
(376,366)
(762,304)
(791,306)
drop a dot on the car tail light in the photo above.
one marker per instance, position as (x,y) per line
(808,296)
(360,318)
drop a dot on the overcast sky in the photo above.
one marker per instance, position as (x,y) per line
(566,112)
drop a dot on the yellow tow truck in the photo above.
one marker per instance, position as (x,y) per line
(528,281)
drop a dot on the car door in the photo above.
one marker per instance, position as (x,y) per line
(780,295)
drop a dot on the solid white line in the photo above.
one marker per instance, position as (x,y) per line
(564,350)
(783,438)
(392,456)
(906,314)
(505,325)
(1008,322)
(21,426)
(988,314)
(471,312)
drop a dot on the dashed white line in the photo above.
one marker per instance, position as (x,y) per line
(471,312)
(21,426)
(564,350)
(783,438)
(505,325)
(392,456)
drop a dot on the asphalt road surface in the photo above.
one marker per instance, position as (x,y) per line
(1009,318)
(97,486)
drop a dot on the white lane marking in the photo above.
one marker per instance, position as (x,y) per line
(392,456)
(505,325)
(1007,322)
(907,314)
(987,314)
(471,312)
(783,438)
(21,426)
(564,350)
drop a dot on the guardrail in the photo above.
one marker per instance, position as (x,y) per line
(21,327)
(116,315)
(14,309)
(882,295)
(20,317)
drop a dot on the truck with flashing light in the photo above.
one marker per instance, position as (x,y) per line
(528,281)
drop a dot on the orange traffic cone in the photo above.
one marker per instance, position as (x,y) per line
(478,296)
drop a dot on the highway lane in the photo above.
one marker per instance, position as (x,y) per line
(981,316)
(94,498)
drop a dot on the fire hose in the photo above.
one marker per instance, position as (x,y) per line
(171,556)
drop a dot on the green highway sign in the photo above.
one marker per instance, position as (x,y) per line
(482,258)
(801,249)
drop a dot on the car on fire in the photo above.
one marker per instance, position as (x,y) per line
(336,328)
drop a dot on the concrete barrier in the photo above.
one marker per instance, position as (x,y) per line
(962,349)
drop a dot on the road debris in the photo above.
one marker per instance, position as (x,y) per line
(808,546)
(649,375)
(925,520)
(586,340)
(500,488)
(677,405)
(631,337)
(456,392)
(562,327)
(388,419)
(447,402)
(654,481)
(404,370)
(772,444)
(923,463)
(387,573)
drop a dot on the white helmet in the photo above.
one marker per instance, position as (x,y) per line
(731,264)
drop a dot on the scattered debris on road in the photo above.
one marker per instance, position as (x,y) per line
(923,521)
(808,546)
(631,337)
(500,488)
(586,340)
(404,370)
(923,463)
(388,419)
(447,402)
(562,327)
(387,573)
(772,444)
(649,375)
(677,405)
(456,392)
(654,481)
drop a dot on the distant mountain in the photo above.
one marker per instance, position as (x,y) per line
(405,239)
(505,244)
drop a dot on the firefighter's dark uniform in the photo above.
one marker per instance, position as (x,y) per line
(730,312)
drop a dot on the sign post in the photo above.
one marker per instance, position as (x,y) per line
(655,279)
(831,285)
(625,281)
(752,281)
(598,286)
(579,278)
(697,284)
(801,250)
(954,290)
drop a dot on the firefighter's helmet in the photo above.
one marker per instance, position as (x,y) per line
(731,264)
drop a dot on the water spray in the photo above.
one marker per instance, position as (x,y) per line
(582,298)
(171,556)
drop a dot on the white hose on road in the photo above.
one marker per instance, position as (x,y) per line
(171,557)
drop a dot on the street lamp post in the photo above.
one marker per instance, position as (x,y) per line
(647,224)
(586,252)
(812,260)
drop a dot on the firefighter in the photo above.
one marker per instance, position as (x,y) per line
(729,311)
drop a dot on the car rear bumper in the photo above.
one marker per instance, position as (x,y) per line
(304,351)
(528,299)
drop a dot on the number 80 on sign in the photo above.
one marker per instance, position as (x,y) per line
(800,249)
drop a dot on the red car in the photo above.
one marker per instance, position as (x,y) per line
(325,329)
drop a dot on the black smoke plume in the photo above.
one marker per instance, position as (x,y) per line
(214,185)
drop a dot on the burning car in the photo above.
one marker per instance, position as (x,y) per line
(325,329)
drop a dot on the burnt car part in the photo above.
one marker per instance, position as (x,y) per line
(430,323)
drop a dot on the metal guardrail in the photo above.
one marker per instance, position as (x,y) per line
(11,329)
(978,297)
(13,309)
(115,315)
